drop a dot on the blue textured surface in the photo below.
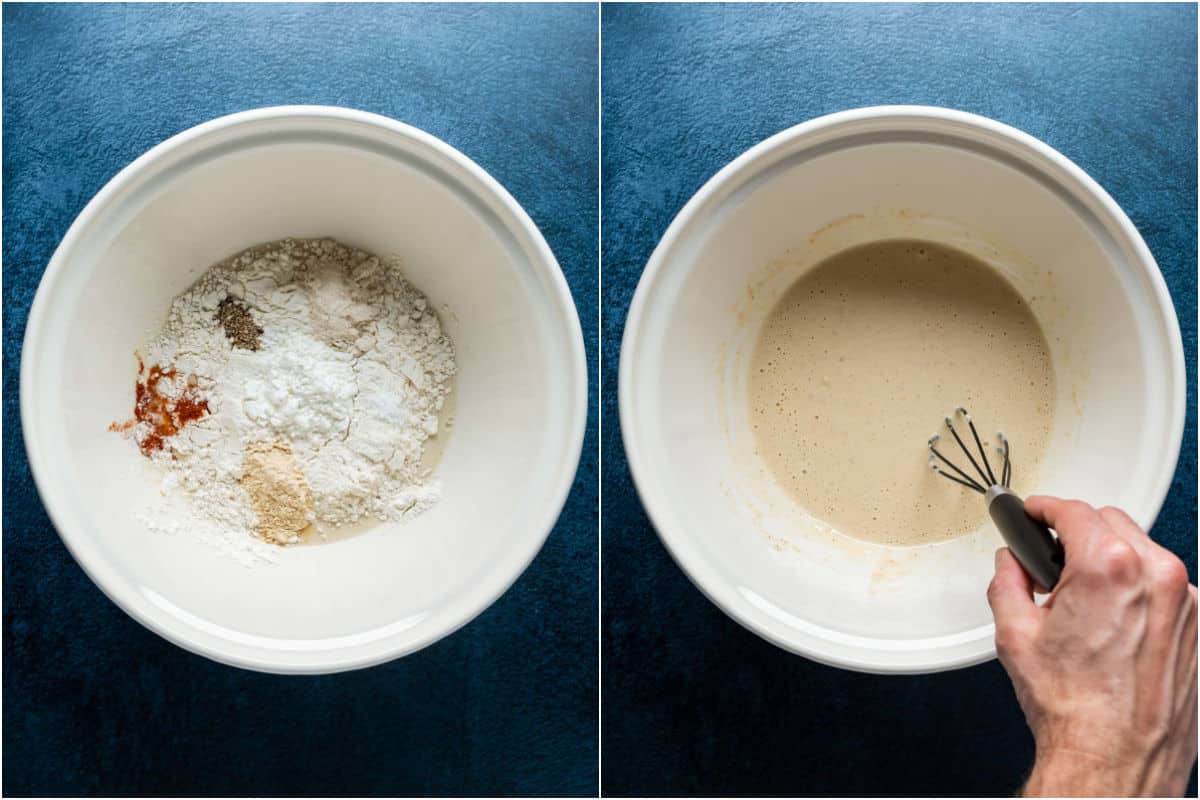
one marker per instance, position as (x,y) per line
(95,704)
(694,704)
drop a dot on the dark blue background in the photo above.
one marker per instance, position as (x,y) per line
(694,704)
(93,703)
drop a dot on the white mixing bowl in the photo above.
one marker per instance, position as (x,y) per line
(779,209)
(376,184)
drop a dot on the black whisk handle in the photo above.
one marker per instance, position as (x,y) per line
(1035,547)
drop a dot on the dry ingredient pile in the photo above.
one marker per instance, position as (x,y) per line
(294,384)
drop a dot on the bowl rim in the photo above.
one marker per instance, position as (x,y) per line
(442,620)
(725,595)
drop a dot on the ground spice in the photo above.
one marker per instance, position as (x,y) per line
(239,324)
(279,494)
(164,415)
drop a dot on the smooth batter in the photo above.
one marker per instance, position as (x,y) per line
(860,361)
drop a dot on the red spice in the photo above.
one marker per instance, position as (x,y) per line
(165,415)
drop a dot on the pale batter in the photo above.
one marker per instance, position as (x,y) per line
(860,361)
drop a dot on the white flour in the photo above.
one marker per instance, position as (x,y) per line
(352,368)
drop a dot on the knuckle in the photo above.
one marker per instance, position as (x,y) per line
(1010,637)
(1169,574)
(1116,559)
(995,590)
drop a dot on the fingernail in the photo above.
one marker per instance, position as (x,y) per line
(999,556)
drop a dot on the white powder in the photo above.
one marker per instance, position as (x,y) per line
(352,369)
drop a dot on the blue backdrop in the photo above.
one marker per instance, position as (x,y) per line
(93,703)
(694,704)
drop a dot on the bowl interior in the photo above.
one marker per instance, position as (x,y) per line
(746,543)
(509,457)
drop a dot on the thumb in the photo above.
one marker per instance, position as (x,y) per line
(1010,594)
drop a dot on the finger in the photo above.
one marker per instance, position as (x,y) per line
(1055,511)
(1121,522)
(1073,520)
(1010,594)
(1122,525)
(1162,564)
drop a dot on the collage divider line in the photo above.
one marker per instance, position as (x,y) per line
(599,397)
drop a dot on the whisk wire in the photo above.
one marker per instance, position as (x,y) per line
(967,453)
(982,452)
(1006,470)
(965,480)
(985,472)
(972,485)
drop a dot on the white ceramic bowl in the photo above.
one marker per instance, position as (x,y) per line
(785,205)
(382,186)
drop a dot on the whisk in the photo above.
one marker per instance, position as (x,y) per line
(1037,550)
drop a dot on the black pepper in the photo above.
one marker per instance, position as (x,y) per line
(239,325)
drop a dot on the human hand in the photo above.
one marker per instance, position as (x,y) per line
(1105,671)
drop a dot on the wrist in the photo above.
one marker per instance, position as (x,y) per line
(1066,771)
